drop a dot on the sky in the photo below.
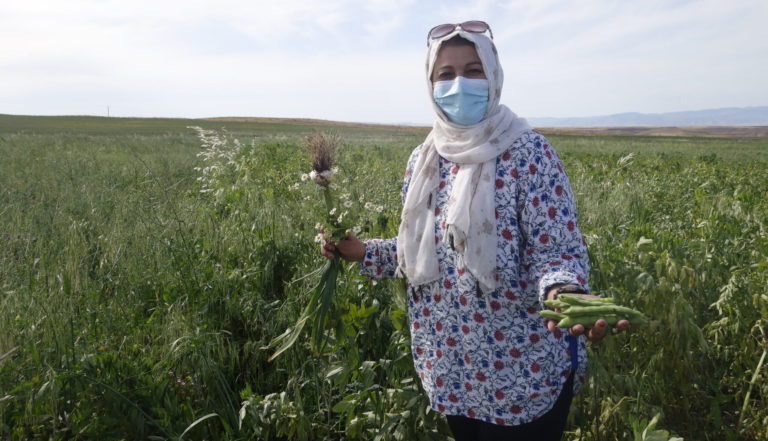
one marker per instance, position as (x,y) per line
(363,60)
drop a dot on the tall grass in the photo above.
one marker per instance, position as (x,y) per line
(135,306)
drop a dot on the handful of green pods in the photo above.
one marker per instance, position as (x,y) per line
(577,310)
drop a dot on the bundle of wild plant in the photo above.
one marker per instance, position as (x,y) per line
(323,149)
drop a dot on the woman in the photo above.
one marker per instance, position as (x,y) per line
(488,231)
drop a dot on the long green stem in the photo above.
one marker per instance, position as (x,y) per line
(320,303)
(749,389)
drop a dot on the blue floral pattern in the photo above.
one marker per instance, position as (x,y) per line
(490,357)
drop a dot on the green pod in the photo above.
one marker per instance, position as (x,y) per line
(575,300)
(604,309)
(568,322)
(552,315)
(587,321)
(556,304)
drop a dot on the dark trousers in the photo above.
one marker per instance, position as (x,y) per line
(549,427)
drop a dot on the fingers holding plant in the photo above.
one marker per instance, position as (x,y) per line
(350,249)
(589,315)
(338,212)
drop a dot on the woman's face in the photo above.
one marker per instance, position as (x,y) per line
(457,61)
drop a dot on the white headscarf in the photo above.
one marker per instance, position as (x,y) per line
(470,212)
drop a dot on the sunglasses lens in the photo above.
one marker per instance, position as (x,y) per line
(441,30)
(474,26)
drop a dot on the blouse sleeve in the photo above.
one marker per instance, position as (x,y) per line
(380,260)
(554,247)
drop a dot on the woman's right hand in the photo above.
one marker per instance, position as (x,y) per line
(350,249)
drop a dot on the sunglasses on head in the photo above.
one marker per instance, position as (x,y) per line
(474,26)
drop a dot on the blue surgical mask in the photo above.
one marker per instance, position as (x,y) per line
(463,100)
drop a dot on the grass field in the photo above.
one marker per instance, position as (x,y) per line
(143,273)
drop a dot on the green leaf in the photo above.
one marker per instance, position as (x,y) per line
(198,421)
(344,406)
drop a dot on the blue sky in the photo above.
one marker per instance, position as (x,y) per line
(363,60)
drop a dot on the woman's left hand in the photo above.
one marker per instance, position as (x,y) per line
(593,333)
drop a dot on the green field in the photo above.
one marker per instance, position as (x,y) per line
(143,274)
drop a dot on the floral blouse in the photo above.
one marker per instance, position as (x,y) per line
(490,357)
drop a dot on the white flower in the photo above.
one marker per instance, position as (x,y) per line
(319,238)
(357,229)
(318,226)
(333,211)
(369,206)
(323,178)
(379,208)
(347,204)
(304,177)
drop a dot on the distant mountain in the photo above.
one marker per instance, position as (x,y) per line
(729,116)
